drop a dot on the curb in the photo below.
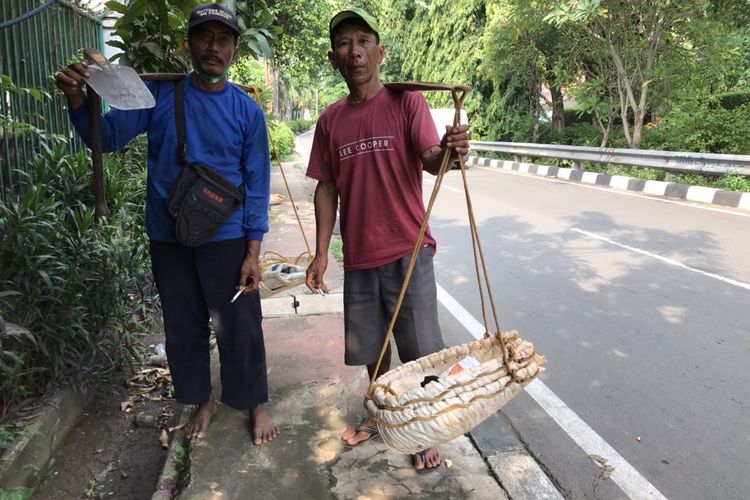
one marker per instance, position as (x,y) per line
(307,304)
(169,480)
(25,463)
(515,469)
(710,196)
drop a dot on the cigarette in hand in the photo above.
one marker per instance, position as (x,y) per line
(237,295)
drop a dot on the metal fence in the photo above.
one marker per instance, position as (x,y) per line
(697,163)
(36,40)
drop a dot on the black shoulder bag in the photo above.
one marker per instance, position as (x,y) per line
(202,199)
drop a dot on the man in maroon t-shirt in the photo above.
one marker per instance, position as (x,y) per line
(368,155)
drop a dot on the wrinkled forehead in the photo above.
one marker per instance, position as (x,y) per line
(352,27)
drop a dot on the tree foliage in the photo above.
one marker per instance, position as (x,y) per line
(636,33)
(438,41)
(152,32)
(629,69)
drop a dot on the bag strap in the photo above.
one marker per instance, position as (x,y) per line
(179,121)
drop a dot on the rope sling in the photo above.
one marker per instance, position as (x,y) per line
(411,415)
(273,264)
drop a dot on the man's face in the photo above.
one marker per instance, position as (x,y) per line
(212,46)
(356,54)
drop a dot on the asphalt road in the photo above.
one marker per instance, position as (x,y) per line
(642,308)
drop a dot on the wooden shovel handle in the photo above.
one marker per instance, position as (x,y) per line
(172,77)
(95,133)
(426,86)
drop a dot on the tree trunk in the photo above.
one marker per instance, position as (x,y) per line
(624,114)
(558,109)
(536,113)
(606,129)
(635,143)
(605,137)
(639,117)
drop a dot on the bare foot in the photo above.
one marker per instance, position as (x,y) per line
(264,429)
(360,433)
(199,420)
(426,460)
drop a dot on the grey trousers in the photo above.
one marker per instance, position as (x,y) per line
(370,297)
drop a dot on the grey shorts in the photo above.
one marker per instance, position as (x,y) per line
(370,296)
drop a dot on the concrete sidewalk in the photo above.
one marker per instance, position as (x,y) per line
(314,396)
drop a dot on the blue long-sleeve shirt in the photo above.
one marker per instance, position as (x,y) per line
(225,130)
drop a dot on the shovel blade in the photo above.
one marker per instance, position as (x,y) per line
(120,86)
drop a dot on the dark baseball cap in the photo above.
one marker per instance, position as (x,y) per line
(213,12)
(354,13)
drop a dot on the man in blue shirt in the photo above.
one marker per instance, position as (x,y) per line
(226,130)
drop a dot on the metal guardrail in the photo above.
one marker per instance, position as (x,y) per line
(701,163)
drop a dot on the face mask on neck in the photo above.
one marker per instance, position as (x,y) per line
(209,78)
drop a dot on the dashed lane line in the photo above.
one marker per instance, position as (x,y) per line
(666,260)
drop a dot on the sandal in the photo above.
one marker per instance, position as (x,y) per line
(364,425)
(423,455)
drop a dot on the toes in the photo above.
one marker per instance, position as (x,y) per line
(348,434)
(433,459)
(262,437)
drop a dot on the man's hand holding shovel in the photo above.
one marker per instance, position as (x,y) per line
(120,86)
(71,81)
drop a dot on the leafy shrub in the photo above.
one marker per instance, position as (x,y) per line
(299,125)
(84,286)
(698,126)
(733,182)
(691,179)
(283,138)
(578,134)
(573,116)
(731,100)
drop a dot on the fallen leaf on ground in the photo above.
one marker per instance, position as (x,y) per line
(164,439)
(599,458)
(604,472)
(126,405)
(103,474)
(177,427)
(151,383)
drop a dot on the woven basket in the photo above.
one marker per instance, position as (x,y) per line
(280,273)
(411,418)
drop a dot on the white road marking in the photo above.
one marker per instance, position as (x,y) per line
(624,475)
(671,262)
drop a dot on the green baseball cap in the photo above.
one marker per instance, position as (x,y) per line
(354,13)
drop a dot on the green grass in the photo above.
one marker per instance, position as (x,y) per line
(6,435)
(15,494)
(337,248)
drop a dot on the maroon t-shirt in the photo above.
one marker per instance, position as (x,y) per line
(372,152)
